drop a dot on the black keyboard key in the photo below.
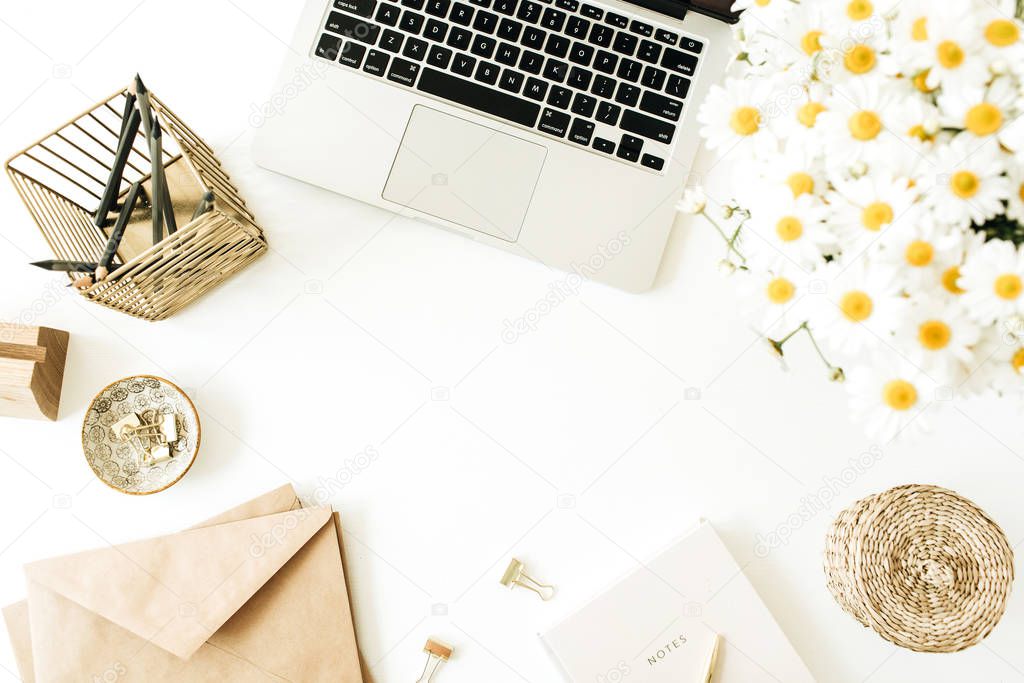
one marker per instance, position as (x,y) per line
(329,47)
(531,62)
(581,132)
(603,87)
(363,8)
(485,22)
(415,49)
(509,30)
(554,122)
(354,28)
(608,113)
(577,27)
(583,105)
(674,60)
(557,46)
(555,70)
(677,86)
(553,20)
(648,52)
(533,37)
(415,4)
(653,78)
(629,148)
(482,98)
(483,46)
(528,12)
(627,94)
(602,145)
(535,89)
(387,14)
(629,70)
(487,72)
(403,71)
(641,28)
(376,63)
(592,12)
(651,161)
(616,20)
(436,30)
(581,53)
(506,7)
(570,5)
(647,126)
(579,78)
(440,57)
(601,35)
(352,54)
(511,80)
(605,62)
(461,14)
(625,43)
(691,45)
(459,38)
(438,8)
(411,22)
(664,36)
(463,65)
(659,105)
(559,97)
(507,54)
(391,40)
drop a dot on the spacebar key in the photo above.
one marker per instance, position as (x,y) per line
(485,99)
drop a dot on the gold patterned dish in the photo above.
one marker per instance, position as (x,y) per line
(119,462)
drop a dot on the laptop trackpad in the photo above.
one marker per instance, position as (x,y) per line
(465,173)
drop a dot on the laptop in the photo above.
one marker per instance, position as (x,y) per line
(560,130)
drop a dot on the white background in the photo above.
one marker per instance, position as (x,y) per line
(359,330)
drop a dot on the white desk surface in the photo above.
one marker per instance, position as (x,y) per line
(574,447)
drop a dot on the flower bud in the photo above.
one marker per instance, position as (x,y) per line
(726,267)
(930,127)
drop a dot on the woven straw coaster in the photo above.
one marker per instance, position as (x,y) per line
(922,566)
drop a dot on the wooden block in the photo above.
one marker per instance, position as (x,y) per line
(31,370)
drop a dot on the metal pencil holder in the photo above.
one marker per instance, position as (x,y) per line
(61,179)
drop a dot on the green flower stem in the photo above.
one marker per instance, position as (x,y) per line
(730,243)
(836,372)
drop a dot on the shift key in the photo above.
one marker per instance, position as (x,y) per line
(363,8)
(357,29)
(647,126)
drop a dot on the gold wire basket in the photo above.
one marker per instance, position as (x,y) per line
(61,179)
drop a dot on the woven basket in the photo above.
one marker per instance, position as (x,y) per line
(922,566)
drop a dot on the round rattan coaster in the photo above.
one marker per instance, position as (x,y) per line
(922,566)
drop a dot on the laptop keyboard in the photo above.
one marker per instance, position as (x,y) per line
(591,77)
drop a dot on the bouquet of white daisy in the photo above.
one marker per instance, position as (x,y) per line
(880,148)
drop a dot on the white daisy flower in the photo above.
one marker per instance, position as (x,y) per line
(1001,33)
(889,395)
(981,111)
(798,167)
(949,288)
(920,251)
(788,226)
(952,50)
(910,43)
(861,305)
(1012,135)
(938,337)
(856,125)
(915,119)
(733,114)
(864,207)
(798,123)
(756,13)
(968,184)
(998,366)
(855,52)
(993,280)
(776,295)
(800,39)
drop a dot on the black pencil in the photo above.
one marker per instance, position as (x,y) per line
(157,193)
(205,204)
(119,227)
(129,129)
(65,266)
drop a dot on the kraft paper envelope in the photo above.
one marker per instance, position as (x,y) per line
(256,594)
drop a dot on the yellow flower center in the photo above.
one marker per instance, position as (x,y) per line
(859,10)
(762,3)
(1002,32)
(921,81)
(875,215)
(789,228)
(1008,286)
(919,253)
(983,119)
(808,113)
(865,125)
(934,335)
(811,42)
(780,290)
(899,394)
(949,279)
(1020,192)
(859,59)
(965,184)
(856,306)
(917,131)
(919,29)
(1018,360)
(949,54)
(800,183)
(745,120)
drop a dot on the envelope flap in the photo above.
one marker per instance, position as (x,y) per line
(177,590)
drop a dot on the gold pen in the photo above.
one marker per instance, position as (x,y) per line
(709,671)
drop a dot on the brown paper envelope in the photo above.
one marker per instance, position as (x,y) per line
(257,599)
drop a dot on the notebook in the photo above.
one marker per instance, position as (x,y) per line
(657,625)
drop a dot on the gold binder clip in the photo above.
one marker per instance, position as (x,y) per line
(516,575)
(437,654)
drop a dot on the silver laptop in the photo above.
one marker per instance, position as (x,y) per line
(561,130)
